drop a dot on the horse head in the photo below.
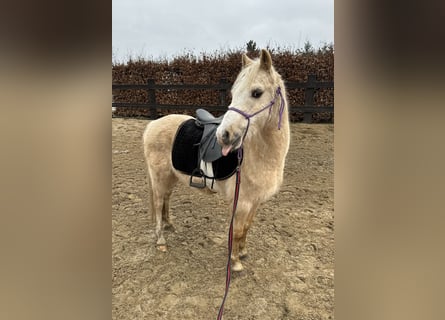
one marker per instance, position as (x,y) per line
(255,93)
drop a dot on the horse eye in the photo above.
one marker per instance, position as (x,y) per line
(256,93)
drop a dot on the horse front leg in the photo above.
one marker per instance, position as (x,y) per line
(243,219)
(242,245)
(247,224)
(238,232)
(239,237)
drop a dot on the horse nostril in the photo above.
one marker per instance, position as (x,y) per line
(225,137)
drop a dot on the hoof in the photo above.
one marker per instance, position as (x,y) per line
(161,244)
(237,266)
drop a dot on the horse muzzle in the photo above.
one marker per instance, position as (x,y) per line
(228,141)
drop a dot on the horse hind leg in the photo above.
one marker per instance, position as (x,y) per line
(166,212)
(156,207)
(161,189)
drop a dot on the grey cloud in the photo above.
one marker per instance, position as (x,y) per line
(165,28)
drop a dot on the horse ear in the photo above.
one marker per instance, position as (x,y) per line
(246,60)
(265,60)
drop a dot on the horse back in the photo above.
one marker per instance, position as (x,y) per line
(161,133)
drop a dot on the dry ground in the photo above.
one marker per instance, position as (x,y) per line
(289,272)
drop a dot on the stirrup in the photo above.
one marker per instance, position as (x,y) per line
(197,174)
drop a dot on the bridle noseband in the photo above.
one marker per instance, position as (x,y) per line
(247,116)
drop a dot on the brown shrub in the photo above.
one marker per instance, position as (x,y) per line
(210,69)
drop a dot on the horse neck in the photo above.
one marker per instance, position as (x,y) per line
(267,146)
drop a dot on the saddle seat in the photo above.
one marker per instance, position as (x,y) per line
(204,117)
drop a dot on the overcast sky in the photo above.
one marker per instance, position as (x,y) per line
(164,28)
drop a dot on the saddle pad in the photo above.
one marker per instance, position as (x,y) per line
(185,152)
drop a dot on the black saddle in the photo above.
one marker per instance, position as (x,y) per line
(195,141)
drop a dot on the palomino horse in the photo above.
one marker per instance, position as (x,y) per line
(257,121)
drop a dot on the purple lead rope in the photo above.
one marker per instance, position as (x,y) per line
(230,239)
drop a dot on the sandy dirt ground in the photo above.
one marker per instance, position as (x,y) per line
(289,271)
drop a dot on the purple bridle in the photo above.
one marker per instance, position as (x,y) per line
(269,106)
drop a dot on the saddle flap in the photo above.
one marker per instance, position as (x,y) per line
(209,149)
